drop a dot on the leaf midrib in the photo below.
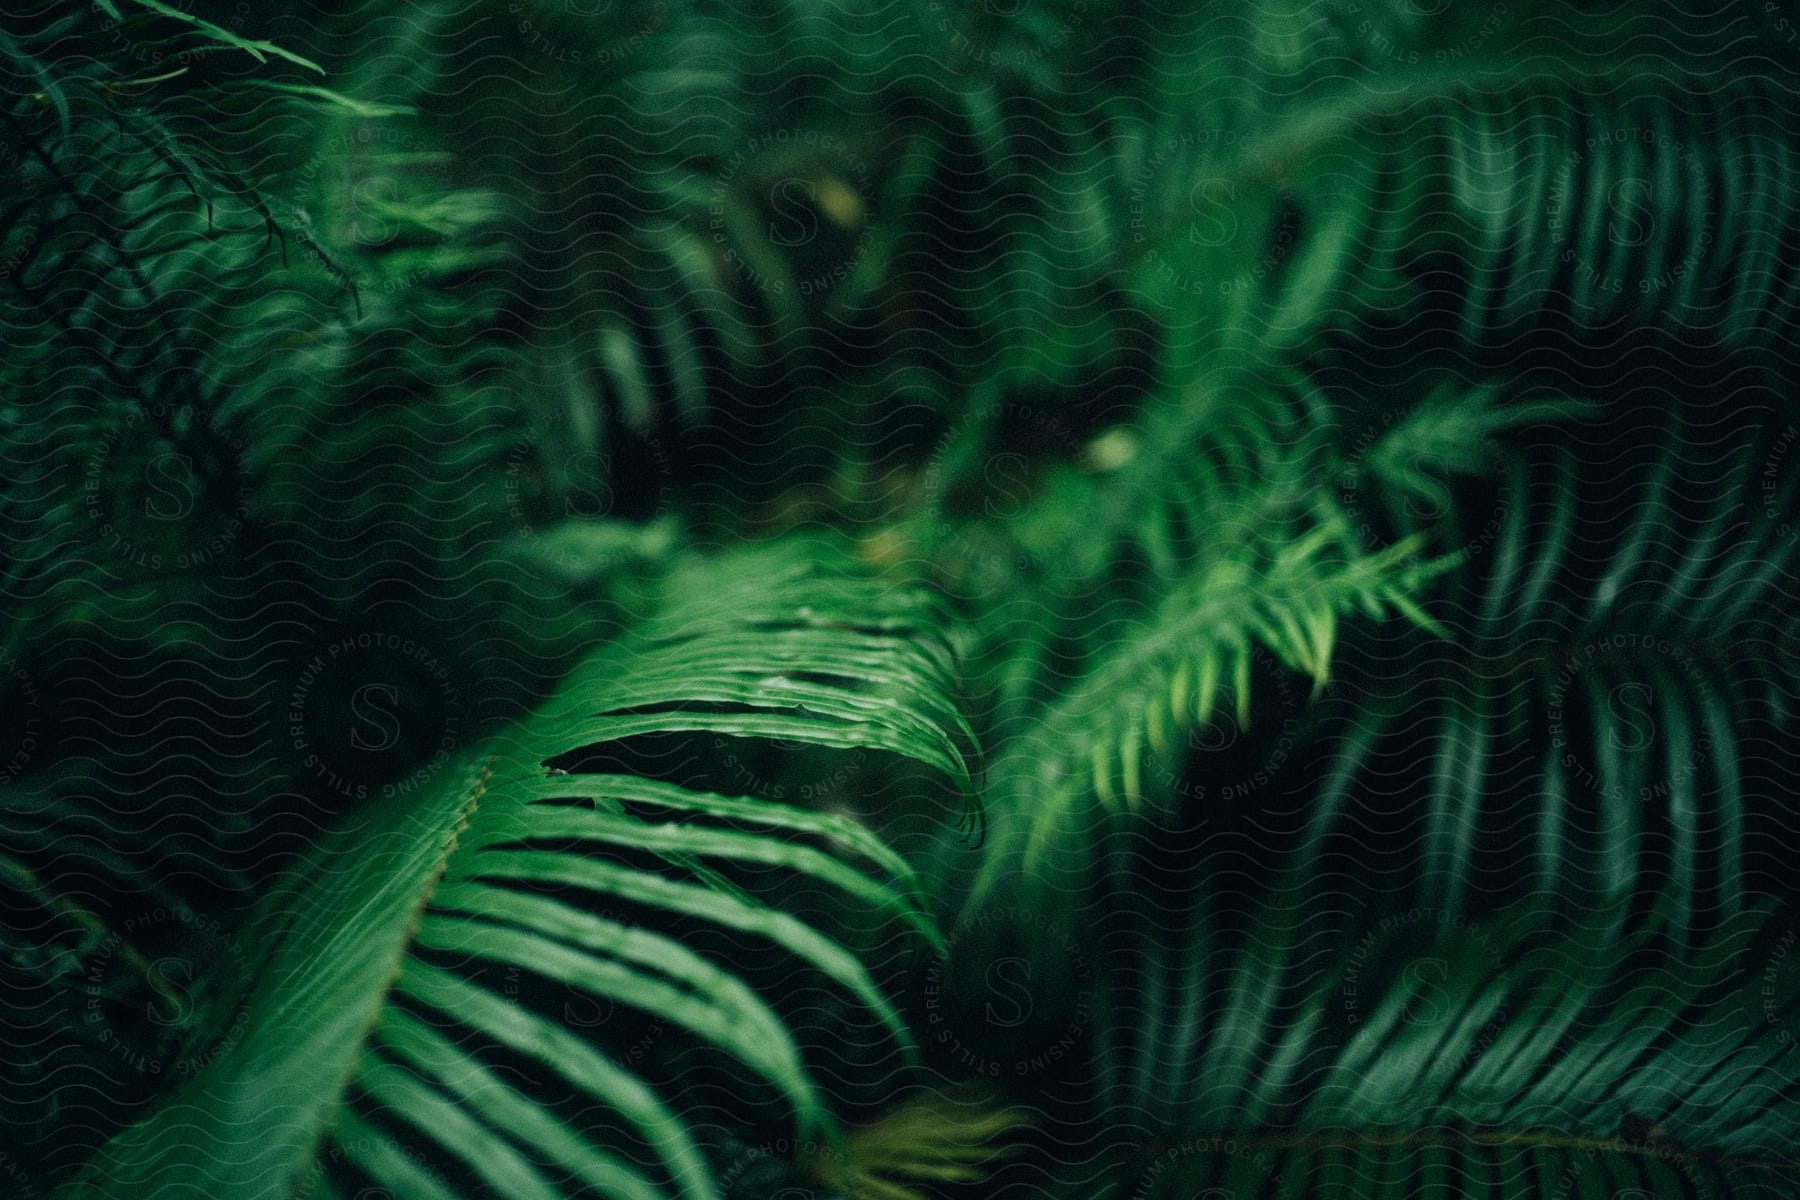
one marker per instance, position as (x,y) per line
(402,947)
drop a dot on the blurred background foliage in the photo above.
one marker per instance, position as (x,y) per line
(1263,532)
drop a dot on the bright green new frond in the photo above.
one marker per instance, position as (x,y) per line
(1116,736)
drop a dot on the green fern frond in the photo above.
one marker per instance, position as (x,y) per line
(1199,646)
(1578,205)
(379,960)
(1171,674)
(1455,1056)
(1177,350)
(1612,709)
(1449,437)
(259,50)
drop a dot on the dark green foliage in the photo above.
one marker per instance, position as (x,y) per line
(1471,1055)
(763,646)
(909,599)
